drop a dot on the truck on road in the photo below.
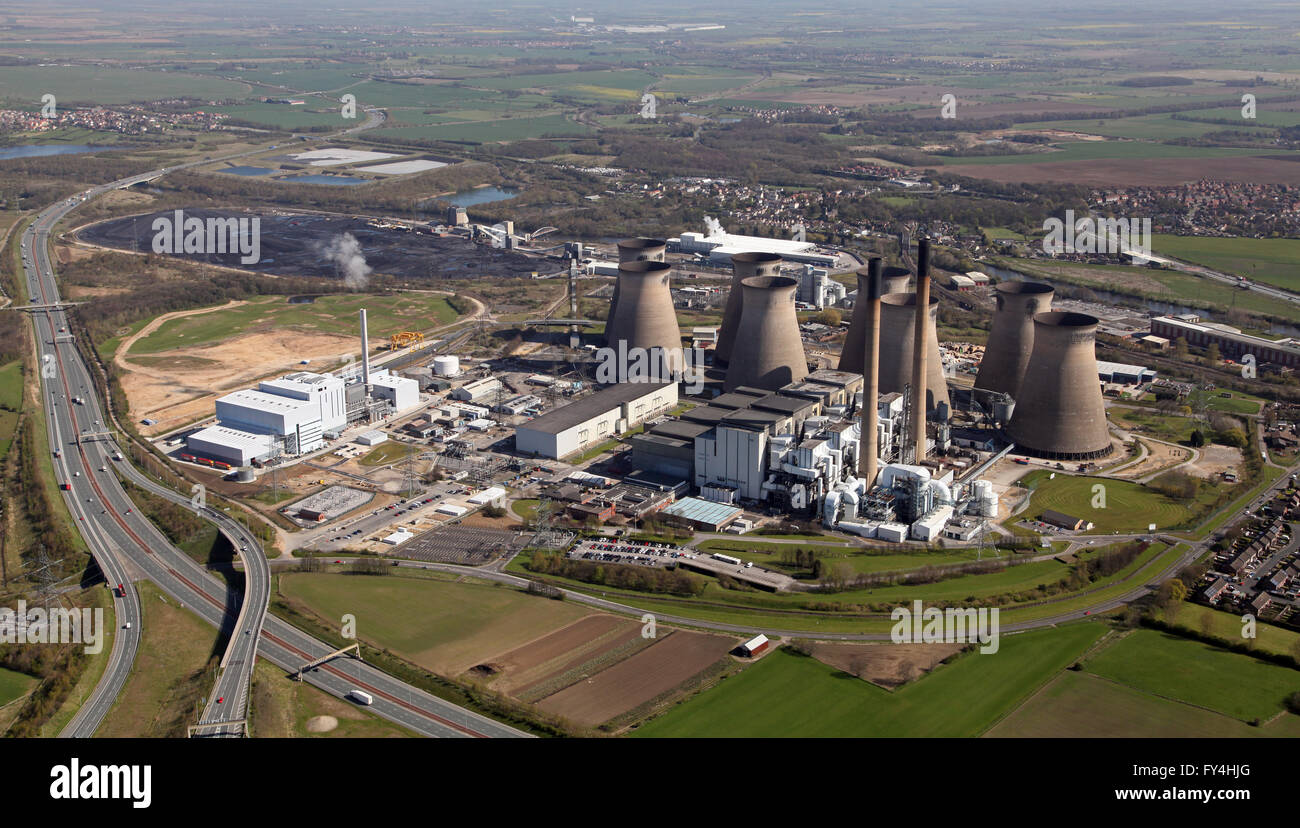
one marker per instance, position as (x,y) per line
(361,697)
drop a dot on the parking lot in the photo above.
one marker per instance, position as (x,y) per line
(635,553)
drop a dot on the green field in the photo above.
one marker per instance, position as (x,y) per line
(1189,671)
(14,685)
(1106,151)
(1162,127)
(437,624)
(1272,261)
(1129,506)
(861,559)
(11,385)
(1153,283)
(1082,706)
(284,116)
(104,86)
(502,129)
(790,695)
(386,315)
(385,453)
(1197,618)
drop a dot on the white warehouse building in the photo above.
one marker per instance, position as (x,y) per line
(229,445)
(298,408)
(593,419)
(403,393)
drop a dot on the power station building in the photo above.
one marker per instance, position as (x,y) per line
(721,247)
(300,408)
(295,414)
(594,419)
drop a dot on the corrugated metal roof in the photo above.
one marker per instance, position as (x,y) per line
(703,511)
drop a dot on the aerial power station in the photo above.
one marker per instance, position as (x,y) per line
(773,429)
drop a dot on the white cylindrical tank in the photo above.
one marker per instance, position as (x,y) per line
(446,365)
(989,505)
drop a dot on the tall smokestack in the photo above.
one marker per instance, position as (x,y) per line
(1011,338)
(365,350)
(869,293)
(645,317)
(1062,415)
(744,266)
(769,352)
(920,351)
(892,280)
(636,250)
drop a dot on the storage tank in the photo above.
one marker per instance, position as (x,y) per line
(1061,415)
(743,266)
(1011,338)
(245,476)
(446,365)
(769,352)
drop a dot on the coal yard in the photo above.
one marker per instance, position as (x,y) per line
(316,245)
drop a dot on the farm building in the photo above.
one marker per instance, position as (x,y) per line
(755,645)
(1063,521)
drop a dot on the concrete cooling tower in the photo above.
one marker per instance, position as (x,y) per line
(1011,339)
(637,250)
(644,317)
(642,250)
(894,280)
(769,353)
(1060,414)
(744,266)
(897,330)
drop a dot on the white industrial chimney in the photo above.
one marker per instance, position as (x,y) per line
(365,351)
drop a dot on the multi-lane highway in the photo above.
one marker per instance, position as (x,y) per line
(127,545)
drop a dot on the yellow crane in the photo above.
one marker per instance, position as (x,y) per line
(401,339)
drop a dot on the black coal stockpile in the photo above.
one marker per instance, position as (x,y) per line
(316,245)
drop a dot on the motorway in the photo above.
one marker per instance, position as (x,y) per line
(127,546)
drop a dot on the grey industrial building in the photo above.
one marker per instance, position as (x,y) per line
(594,418)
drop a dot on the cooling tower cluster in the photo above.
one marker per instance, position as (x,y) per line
(637,250)
(644,316)
(768,352)
(897,348)
(1060,414)
(744,266)
(1011,339)
(893,280)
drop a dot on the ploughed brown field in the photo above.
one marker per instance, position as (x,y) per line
(885,665)
(1138,172)
(560,651)
(669,662)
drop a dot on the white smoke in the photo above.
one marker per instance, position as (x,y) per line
(345,252)
(714,228)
